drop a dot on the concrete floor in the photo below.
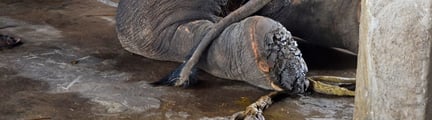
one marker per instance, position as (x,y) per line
(71,66)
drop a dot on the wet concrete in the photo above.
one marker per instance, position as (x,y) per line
(71,66)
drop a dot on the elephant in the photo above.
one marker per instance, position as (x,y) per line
(259,49)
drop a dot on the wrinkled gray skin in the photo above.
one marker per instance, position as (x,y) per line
(258,50)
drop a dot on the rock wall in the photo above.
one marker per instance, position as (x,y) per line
(394,67)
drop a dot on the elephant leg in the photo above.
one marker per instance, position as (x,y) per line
(259,51)
(183,73)
(233,56)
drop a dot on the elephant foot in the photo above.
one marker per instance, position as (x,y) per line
(255,110)
(330,85)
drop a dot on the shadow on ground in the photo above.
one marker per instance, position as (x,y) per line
(24,98)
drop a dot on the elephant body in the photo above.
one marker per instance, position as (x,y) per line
(258,50)
(329,23)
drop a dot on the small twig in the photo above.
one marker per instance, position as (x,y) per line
(298,38)
(72,83)
(79,59)
(83,58)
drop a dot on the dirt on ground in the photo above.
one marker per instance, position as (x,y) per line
(71,66)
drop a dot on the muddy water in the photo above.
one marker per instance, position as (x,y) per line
(72,67)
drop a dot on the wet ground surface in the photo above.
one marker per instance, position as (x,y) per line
(71,66)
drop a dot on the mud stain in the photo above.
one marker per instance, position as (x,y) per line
(24,98)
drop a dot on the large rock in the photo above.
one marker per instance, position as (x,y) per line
(394,67)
